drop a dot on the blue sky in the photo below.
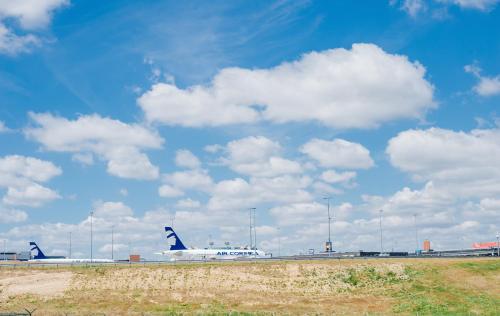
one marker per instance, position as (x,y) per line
(145,112)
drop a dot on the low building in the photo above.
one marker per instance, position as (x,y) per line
(485,245)
(8,256)
(135,258)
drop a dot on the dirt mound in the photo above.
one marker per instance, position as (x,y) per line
(41,283)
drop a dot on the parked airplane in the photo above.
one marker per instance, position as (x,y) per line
(40,257)
(178,251)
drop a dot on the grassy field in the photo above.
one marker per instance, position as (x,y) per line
(346,287)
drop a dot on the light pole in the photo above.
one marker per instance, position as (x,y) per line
(498,244)
(250,226)
(416,232)
(91,237)
(172,218)
(112,242)
(70,245)
(254,228)
(279,242)
(329,226)
(381,239)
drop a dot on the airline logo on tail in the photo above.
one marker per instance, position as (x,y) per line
(39,254)
(173,240)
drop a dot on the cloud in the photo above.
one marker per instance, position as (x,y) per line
(143,234)
(487,208)
(481,5)
(266,230)
(185,158)
(116,248)
(8,216)
(3,128)
(12,44)
(299,213)
(169,191)
(31,15)
(213,148)
(487,86)
(338,153)
(439,8)
(111,210)
(117,143)
(413,7)
(322,189)
(309,214)
(241,194)
(458,168)
(187,204)
(466,163)
(460,191)
(258,156)
(345,178)
(21,176)
(358,88)
(427,201)
(189,180)
(30,195)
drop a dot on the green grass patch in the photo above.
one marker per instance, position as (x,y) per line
(481,267)
(428,293)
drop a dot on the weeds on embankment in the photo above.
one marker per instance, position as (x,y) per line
(350,287)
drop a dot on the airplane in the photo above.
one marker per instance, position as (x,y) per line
(40,257)
(178,251)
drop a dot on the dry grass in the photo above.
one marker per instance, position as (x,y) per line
(348,287)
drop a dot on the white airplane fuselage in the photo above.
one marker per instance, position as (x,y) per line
(67,260)
(213,254)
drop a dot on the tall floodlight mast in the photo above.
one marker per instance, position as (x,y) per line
(329,246)
(381,239)
(416,232)
(91,237)
(251,226)
(112,242)
(69,245)
(498,244)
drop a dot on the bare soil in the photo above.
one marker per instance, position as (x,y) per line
(345,287)
(41,283)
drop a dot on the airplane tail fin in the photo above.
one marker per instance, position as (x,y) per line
(173,240)
(40,254)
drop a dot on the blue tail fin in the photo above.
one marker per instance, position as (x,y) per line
(173,240)
(40,254)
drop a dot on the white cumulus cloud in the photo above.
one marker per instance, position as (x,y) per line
(258,156)
(111,210)
(169,191)
(187,204)
(117,143)
(189,180)
(358,88)
(31,15)
(185,158)
(338,153)
(21,176)
(345,178)
(239,193)
(487,86)
(8,216)
(460,161)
